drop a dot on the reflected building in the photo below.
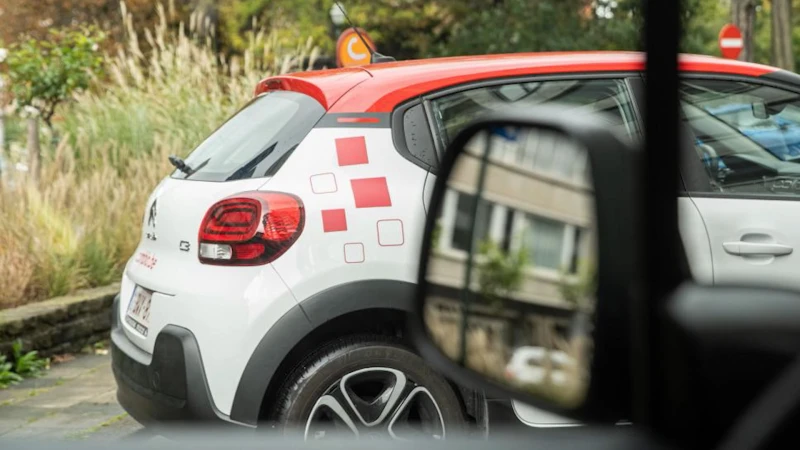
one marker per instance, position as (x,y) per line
(537,199)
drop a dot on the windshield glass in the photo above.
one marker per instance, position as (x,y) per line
(256,140)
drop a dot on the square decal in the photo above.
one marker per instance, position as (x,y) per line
(351,151)
(323,183)
(371,192)
(334,220)
(390,233)
(354,253)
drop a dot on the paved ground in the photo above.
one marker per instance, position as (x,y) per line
(73,400)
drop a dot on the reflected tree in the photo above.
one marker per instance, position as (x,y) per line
(578,289)
(500,272)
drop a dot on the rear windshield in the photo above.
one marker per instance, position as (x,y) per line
(256,141)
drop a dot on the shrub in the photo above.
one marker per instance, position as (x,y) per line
(7,376)
(500,273)
(28,364)
(79,225)
(44,73)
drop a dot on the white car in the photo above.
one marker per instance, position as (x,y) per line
(527,365)
(277,265)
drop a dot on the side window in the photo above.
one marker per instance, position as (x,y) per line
(746,136)
(553,236)
(453,112)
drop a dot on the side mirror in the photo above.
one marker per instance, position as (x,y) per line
(527,267)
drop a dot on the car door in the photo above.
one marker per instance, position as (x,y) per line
(558,238)
(743,177)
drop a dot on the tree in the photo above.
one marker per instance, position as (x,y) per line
(579,289)
(45,73)
(702,21)
(294,21)
(542,25)
(401,28)
(33,18)
(743,15)
(782,34)
(500,273)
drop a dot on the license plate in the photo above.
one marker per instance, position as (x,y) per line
(138,315)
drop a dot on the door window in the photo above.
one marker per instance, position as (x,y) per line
(746,136)
(552,242)
(453,112)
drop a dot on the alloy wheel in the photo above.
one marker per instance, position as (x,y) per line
(376,403)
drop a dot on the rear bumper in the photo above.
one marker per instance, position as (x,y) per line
(167,386)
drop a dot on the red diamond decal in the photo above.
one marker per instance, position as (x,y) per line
(334,220)
(351,151)
(371,192)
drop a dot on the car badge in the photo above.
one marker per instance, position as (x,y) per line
(151,220)
(151,217)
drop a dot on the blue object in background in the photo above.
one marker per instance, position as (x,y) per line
(508,133)
(777,135)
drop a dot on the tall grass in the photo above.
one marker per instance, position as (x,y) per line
(81,222)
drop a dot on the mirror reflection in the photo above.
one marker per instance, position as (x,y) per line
(511,279)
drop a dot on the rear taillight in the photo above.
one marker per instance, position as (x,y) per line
(250,228)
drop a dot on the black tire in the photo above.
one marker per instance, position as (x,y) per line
(324,368)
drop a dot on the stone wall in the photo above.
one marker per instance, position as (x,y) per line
(59,325)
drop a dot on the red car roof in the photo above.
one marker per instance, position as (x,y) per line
(381,87)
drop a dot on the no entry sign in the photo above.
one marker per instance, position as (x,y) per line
(730,41)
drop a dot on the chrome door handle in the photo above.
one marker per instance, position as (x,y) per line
(755,248)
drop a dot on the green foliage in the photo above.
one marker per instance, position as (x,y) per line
(100,262)
(28,364)
(537,26)
(292,21)
(45,73)
(500,273)
(15,130)
(7,376)
(402,28)
(24,365)
(82,225)
(436,235)
(578,289)
(422,28)
(407,29)
(702,21)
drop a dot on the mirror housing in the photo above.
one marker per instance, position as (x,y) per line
(760,110)
(615,167)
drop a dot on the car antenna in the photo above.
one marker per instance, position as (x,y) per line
(374,57)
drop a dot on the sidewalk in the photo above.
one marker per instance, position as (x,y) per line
(74,400)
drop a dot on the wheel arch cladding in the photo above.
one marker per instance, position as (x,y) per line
(302,320)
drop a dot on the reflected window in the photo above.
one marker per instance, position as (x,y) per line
(550,244)
(574,259)
(463,221)
(544,242)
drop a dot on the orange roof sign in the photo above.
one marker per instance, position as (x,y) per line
(351,51)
